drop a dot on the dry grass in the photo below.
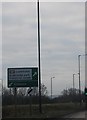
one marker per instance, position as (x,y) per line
(49,110)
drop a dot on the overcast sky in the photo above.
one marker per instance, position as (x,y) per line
(43,0)
(62,40)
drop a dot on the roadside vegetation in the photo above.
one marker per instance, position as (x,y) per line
(28,105)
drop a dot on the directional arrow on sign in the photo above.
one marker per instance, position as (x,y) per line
(10,84)
(34,74)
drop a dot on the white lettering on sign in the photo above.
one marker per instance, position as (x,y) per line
(20,74)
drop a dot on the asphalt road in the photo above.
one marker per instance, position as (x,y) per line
(82,114)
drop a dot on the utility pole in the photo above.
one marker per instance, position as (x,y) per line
(39,77)
(79,79)
(51,87)
(73,82)
(74,88)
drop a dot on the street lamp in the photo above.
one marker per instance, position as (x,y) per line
(79,76)
(73,81)
(39,58)
(51,86)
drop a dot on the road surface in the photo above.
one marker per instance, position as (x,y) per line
(82,114)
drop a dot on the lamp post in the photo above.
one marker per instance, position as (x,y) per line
(51,86)
(73,81)
(74,88)
(79,78)
(39,67)
(79,73)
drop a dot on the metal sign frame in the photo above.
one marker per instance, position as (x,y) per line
(22,77)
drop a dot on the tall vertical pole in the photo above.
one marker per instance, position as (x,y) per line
(15,98)
(79,78)
(73,88)
(39,77)
(51,87)
(73,82)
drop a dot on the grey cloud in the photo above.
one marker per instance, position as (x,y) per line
(62,38)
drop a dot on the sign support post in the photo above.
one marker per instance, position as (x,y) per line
(22,77)
(30,104)
(15,98)
(30,100)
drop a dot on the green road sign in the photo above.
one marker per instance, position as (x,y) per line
(22,77)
